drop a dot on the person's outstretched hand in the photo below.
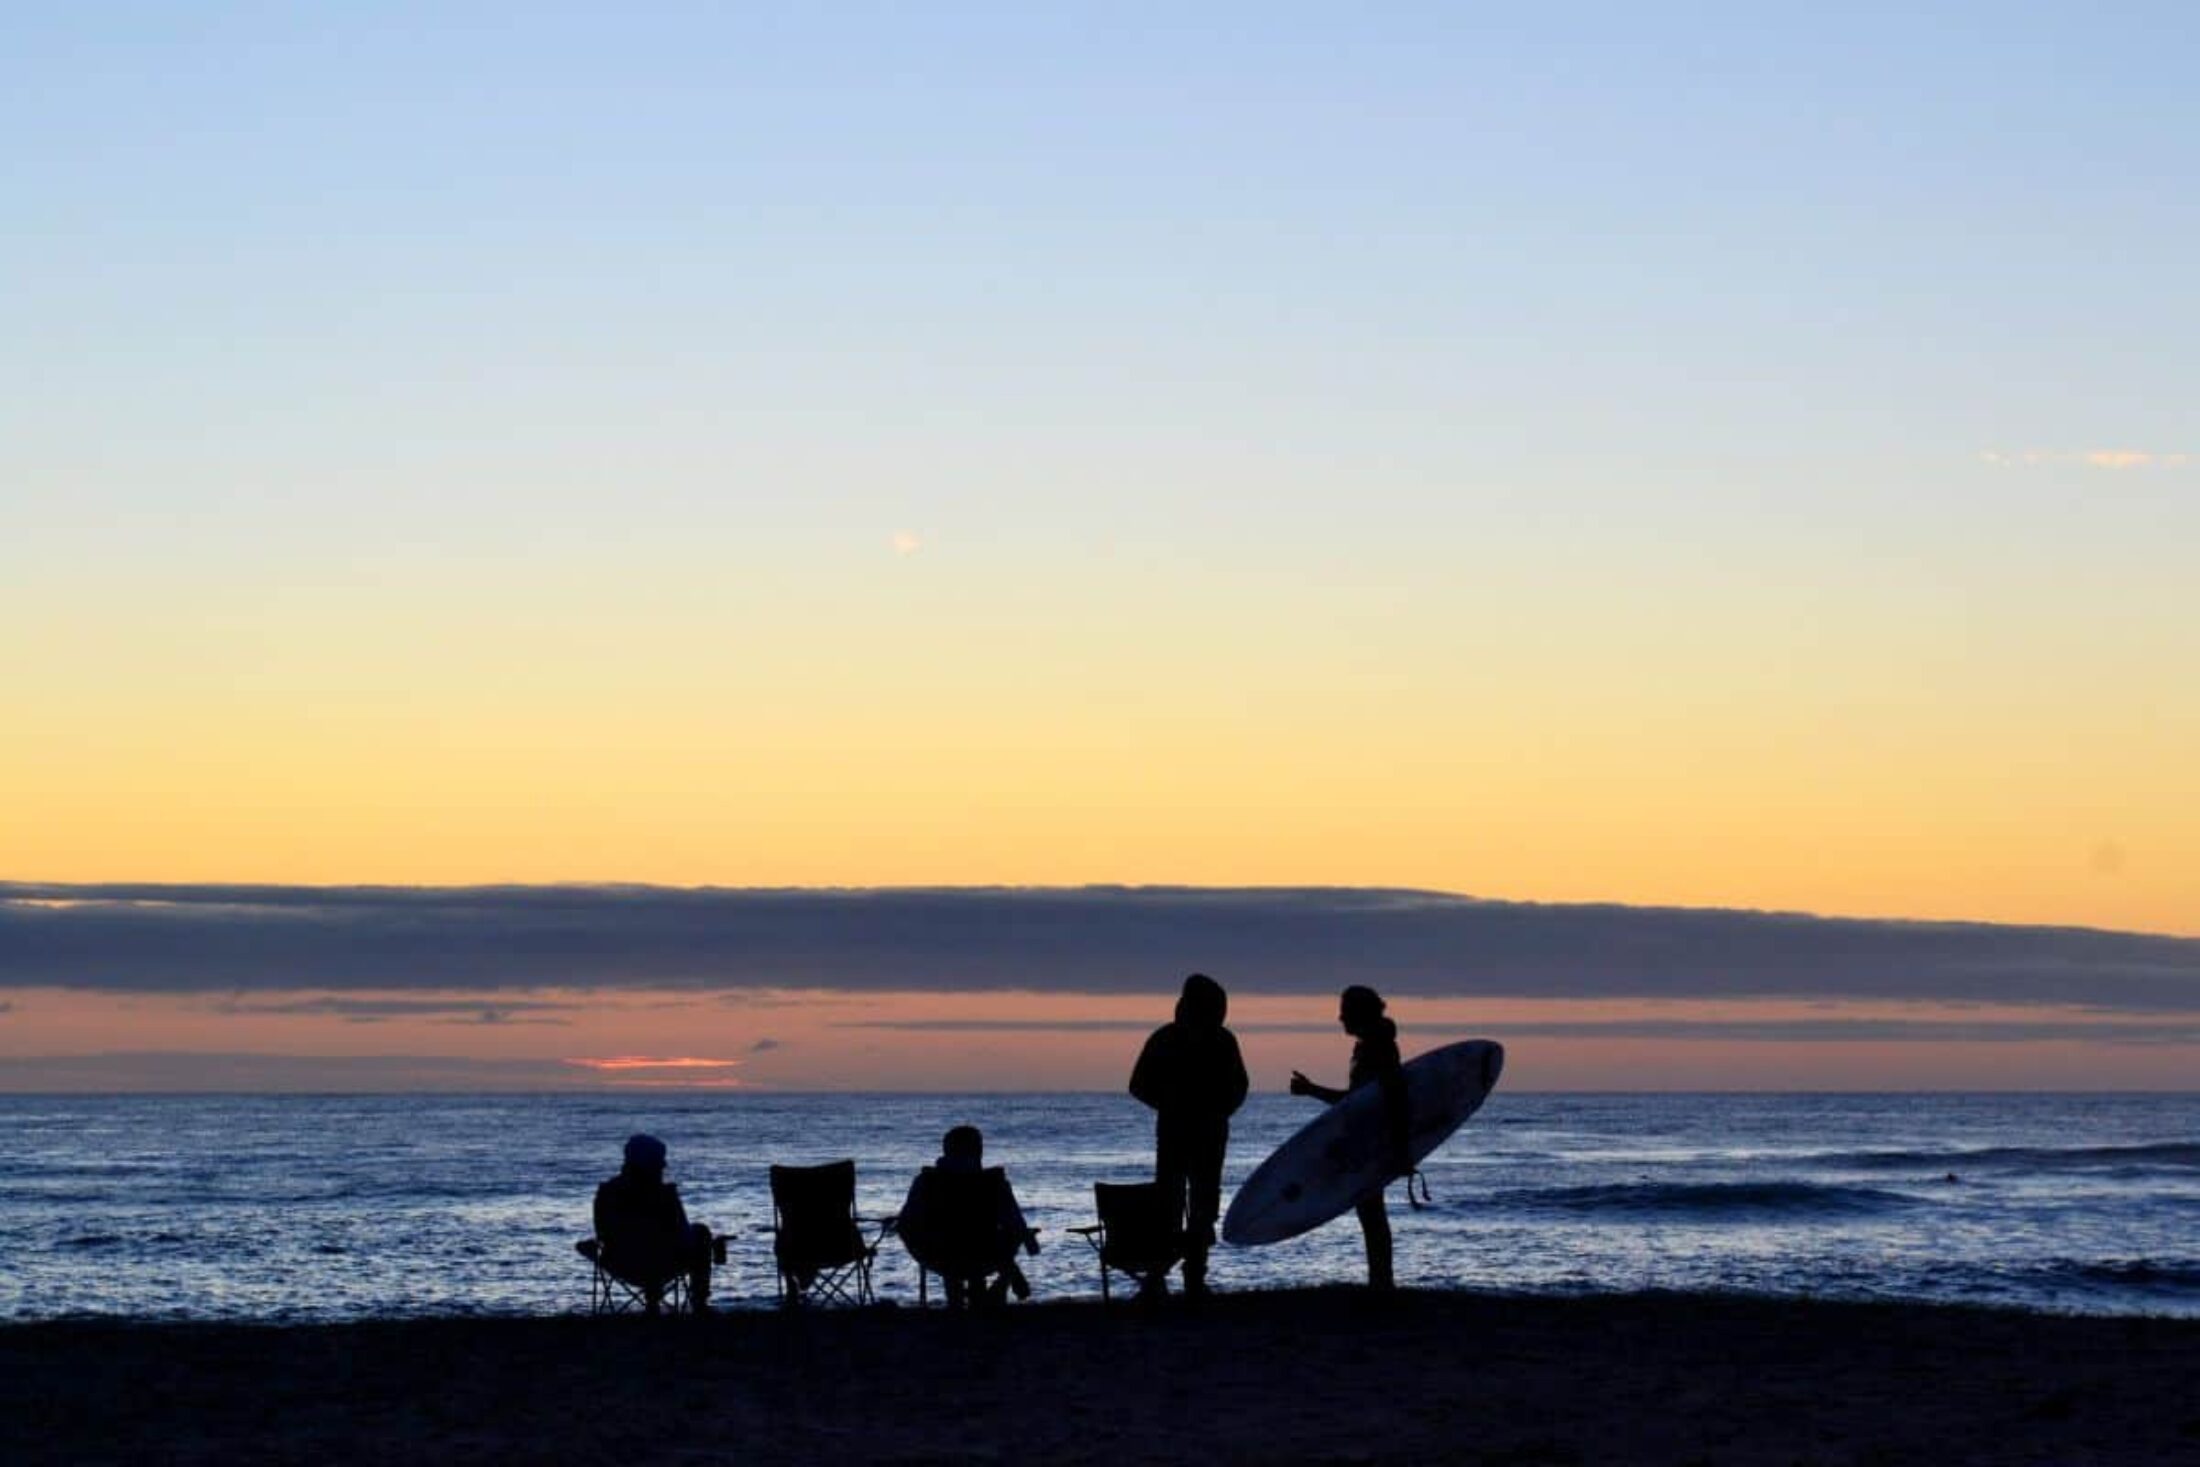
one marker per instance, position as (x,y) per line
(1300,1085)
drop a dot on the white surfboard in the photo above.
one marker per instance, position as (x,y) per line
(1344,1153)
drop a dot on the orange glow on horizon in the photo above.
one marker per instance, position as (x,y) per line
(644,1062)
(1025,1041)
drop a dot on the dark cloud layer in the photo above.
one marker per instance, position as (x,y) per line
(437,1010)
(243,939)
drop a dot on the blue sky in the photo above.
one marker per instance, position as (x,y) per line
(1697,240)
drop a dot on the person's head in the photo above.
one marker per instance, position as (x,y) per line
(1358,1008)
(645,1156)
(1202,1001)
(964,1145)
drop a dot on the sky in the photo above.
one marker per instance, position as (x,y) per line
(1665,456)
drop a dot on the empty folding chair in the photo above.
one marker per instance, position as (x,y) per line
(818,1242)
(1140,1232)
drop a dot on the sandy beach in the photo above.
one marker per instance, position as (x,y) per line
(1318,1376)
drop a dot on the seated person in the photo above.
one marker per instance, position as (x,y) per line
(645,1233)
(962,1222)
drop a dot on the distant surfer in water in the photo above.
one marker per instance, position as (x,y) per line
(1192,1075)
(1375,1061)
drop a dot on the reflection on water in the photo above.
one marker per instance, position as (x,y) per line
(331,1207)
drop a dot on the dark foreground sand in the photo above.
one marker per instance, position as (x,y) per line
(1289,1377)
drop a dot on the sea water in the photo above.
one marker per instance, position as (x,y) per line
(344,1207)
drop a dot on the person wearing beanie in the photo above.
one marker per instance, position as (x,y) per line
(646,1236)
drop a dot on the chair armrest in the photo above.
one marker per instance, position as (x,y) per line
(1085,1232)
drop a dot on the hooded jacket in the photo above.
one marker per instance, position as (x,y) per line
(1190,1070)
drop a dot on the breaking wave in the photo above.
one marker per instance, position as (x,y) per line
(2163,1155)
(1711,1201)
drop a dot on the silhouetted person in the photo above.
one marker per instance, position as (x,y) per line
(1192,1075)
(962,1222)
(646,1236)
(1375,1061)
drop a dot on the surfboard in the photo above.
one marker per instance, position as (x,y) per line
(1343,1154)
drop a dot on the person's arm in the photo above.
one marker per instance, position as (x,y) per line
(602,1215)
(909,1222)
(1235,1081)
(1148,1084)
(1012,1219)
(1300,1085)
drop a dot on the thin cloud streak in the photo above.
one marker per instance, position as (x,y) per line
(2092,458)
(200,1072)
(128,938)
(383,1010)
(1777,1031)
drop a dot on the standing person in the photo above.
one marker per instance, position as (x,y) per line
(1375,1060)
(1191,1074)
(646,1236)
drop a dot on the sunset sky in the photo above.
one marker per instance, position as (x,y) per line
(1718,459)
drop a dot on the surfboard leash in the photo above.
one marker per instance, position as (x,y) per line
(1417,1203)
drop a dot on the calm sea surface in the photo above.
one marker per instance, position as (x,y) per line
(331,1207)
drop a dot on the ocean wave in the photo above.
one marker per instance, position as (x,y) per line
(1710,1201)
(2163,1155)
(2142,1273)
(2060,1282)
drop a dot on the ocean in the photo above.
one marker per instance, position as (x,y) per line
(287,1208)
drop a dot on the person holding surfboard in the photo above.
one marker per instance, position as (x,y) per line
(1193,1076)
(1375,1061)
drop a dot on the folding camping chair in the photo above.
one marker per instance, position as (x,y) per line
(1140,1232)
(952,1227)
(617,1293)
(818,1241)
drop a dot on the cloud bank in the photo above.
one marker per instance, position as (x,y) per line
(2092,458)
(244,940)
